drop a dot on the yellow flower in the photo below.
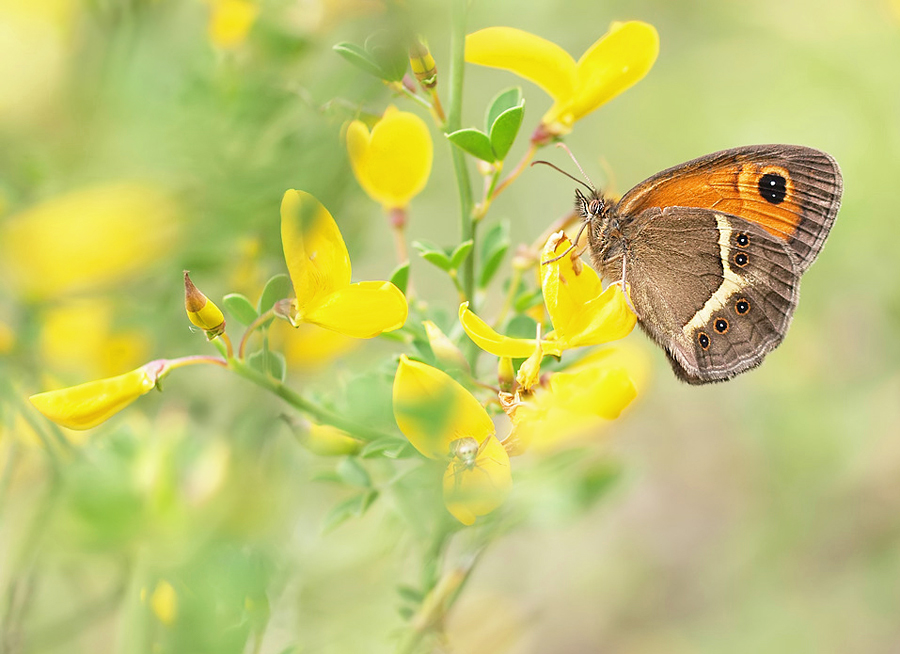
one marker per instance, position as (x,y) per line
(582,313)
(230,21)
(618,60)
(86,239)
(573,404)
(392,163)
(444,421)
(201,311)
(81,337)
(324,440)
(319,267)
(87,405)
(309,347)
(164,602)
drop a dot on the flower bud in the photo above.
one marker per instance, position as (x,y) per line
(422,64)
(201,311)
(447,354)
(324,440)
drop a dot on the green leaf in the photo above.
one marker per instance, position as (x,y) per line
(505,129)
(494,246)
(460,253)
(410,594)
(531,298)
(349,508)
(277,288)
(352,472)
(268,362)
(597,482)
(389,447)
(400,277)
(521,326)
(359,58)
(388,50)
(240,308)
(511,97)
(474,142)
(432,255)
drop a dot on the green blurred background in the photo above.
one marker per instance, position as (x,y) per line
(758,515)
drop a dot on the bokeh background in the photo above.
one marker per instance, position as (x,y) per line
(758,515)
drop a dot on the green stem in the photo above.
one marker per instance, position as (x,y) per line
(293,398)
(454,122)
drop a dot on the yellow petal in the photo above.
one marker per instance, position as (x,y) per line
(490,341)
(309,346)
(314,250)
(87,405)
(474,490)
(361,310)
(614,64)
(530,370)
(326,440)
(582,313)
(393,163)
(432,410)
(528,56)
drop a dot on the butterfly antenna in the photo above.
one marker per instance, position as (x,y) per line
(584,174)
(558,169)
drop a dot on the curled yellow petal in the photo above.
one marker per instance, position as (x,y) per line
(528,56)
(477,486)
(393,162)
(432,410)
(361,310)
(490,341)
(87,405)
(314,249)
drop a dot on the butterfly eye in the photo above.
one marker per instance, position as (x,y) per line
(595,206)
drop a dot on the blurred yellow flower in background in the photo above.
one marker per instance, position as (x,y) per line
(393,161)
(35,37)
(319,267)
(79,337)
(614,63)
(308,346)
(86,239)
(230,21)
(444,421)
(574,403)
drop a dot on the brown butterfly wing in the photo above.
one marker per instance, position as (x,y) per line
(691,269)
(792,192)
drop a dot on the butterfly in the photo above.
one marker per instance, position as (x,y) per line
(711,251)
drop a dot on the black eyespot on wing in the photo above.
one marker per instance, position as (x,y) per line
(742,240)
(741,259)
(742,306)
(773,188)
(703,339)
(721,325)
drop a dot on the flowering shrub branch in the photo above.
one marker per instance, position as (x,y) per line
(459,424)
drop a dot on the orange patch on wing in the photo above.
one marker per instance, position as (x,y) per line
(741,197)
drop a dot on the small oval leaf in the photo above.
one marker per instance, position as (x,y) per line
(400,277)
(504,100)
(505,129)
(460,253)
(474,142)
(240,308)
(359,58)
